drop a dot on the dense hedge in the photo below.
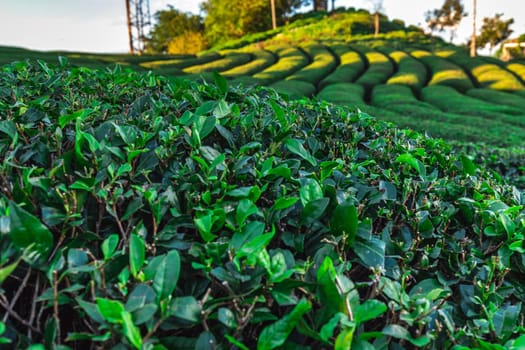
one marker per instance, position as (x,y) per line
(135,213)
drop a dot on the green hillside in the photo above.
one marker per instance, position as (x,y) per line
(449,95)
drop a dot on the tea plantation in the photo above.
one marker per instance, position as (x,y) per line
(141,210)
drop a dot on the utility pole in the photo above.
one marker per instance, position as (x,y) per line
(473,38)
(274,19)
(138,20)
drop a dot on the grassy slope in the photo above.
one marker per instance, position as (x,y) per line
(487,100)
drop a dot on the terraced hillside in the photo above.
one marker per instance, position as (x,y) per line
(443,92)
(403,76)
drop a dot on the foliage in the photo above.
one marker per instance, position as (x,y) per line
(410,71)
(171,28)
(448,99)
(261,59)
(290,60)
(228,61)
(343,94)
(295,89)
(380,68)
(146,214)
(190,42)
(448,16)
(323,63)
(494,30)
(444,72)
(408,57)
(226,20)
(485,73)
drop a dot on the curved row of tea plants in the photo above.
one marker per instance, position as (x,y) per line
(141,213)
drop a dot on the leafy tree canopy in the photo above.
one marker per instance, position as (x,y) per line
(234,18)
(494,31)
(171,24)
(448,16)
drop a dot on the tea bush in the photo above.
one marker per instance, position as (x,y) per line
(343,94)
(350,67)
(410,71)
(498,97)
(323,62)
(290,59)
(229,61)
(450,100)
(141,213)
(379,69)
(487,75)
(261,60)
(518,68)
(444,72)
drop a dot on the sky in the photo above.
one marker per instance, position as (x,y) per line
(100,25)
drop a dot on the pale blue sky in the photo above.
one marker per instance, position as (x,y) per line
(100,25)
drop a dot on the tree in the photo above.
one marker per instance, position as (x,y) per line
(448,16)
(231,19)
(377,7)
(171,24)
(494,30)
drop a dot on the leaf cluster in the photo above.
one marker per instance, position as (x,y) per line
(145,213)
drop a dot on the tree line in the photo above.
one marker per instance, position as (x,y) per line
(178,32)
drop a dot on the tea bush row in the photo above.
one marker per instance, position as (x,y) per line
(142,213)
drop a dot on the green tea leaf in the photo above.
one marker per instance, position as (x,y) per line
(344,339)
(167,275)
(245,209)
(412,161)
(221,82)
(109,245)
(329,292)
(206,341)
(137,253)
(284,203)
(204,224)
(222,110)
(91,310)
(327,331)
(81,114)
(344,221)
(6,271)
(141,295)
(186,308)
(371,252)
(369,310)
(275,334)
(235,342)
(310,191)
(505,320)
(399,332)
(111,310)
(27,232)
(296,147)
(469,168)
(131,331)
(227,317)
